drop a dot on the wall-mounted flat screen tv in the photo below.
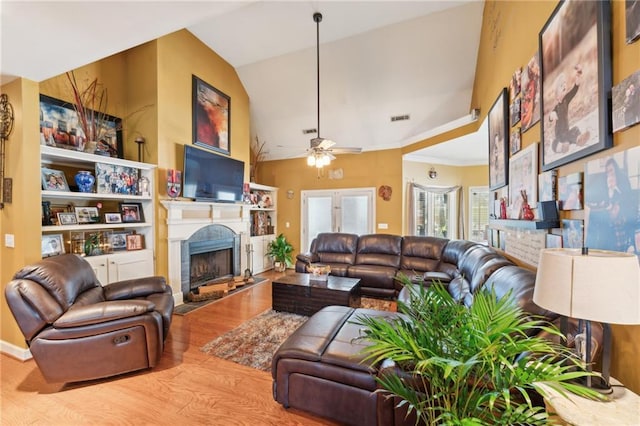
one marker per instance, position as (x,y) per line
(211,177)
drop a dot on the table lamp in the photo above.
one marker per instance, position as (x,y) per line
(590,285)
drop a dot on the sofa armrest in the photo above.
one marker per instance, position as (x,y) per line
(139,287)
(308,258)
(103,312)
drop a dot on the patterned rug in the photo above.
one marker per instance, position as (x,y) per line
(254,342)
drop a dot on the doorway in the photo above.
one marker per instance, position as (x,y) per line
(338,210)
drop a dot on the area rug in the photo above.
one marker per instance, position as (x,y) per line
(254,342)
(188,307)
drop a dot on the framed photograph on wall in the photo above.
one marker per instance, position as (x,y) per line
(515,141)
(611,198)
(523,176)
(632,13)
(575,47)
(211,110)
(570,191)
(547,185)
(530,109)
(499,142)
(572,233)
(553,241)
(626,102)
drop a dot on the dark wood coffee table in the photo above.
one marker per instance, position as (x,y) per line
(300,294)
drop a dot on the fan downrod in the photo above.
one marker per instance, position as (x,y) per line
(317,17)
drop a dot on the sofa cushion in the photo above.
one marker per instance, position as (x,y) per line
(421,254)
(380,250)
(335,248)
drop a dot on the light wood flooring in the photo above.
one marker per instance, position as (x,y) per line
(187,387)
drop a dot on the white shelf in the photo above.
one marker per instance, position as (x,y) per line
(67,157)
(96,226)
(92,196)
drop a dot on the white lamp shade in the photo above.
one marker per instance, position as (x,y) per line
(601,286)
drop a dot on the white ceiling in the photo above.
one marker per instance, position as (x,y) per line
(377,59)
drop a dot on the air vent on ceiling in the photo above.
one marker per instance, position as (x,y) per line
(400,117)
(309,131)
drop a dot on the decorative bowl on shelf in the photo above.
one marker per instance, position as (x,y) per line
(319,272)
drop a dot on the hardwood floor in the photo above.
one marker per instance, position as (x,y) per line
(187,387)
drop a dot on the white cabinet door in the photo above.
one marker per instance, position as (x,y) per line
(99,265)
(257,255)
(135,264)
(128,265)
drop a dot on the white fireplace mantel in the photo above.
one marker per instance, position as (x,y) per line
(184,218)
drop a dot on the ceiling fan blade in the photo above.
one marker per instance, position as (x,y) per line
(346,150)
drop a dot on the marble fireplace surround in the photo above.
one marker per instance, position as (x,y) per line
(186,218)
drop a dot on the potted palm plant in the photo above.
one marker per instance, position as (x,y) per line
(281,251)
(458,365)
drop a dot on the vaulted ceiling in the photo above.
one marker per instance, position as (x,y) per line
(378,59)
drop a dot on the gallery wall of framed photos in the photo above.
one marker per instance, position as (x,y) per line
(558,101)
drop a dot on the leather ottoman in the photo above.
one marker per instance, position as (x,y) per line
(319,369)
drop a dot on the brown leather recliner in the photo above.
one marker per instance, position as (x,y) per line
(76,329)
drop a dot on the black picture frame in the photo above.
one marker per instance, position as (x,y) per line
(59,127)
(211,111)
(575,59)
(499,141)
(131,212)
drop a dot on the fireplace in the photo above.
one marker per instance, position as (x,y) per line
(210,254)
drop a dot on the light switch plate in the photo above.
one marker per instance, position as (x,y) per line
(9,240)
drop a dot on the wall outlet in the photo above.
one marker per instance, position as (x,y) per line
(383,226)
(9,240)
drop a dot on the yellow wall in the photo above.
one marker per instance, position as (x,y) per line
(179,56)
(509,39)
(21,217)
(369,169)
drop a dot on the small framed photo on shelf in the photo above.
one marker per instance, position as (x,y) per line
(112,218)
(87,215)
(114,179)
(52,245)
(118,240)
(131,212)
(77,242)
(135,241)
(53,180)
(67,219)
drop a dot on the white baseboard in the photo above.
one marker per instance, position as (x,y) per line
(15,351)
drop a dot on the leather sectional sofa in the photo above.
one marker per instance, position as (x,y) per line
(319,367)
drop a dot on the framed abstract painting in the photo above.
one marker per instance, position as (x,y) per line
(211,117)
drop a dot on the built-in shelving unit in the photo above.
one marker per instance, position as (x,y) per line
(263,215)
(114,264)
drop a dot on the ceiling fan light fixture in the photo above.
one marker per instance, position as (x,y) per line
(326,160)
(311,160)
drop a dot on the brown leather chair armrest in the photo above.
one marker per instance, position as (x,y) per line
(138,287)
(103,312)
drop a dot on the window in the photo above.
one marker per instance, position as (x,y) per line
(434,212)
(478,213)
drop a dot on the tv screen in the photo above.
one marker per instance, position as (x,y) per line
(211,177)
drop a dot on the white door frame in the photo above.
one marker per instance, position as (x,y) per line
(336,195)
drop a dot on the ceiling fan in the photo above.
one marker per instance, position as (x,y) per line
(321,150)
